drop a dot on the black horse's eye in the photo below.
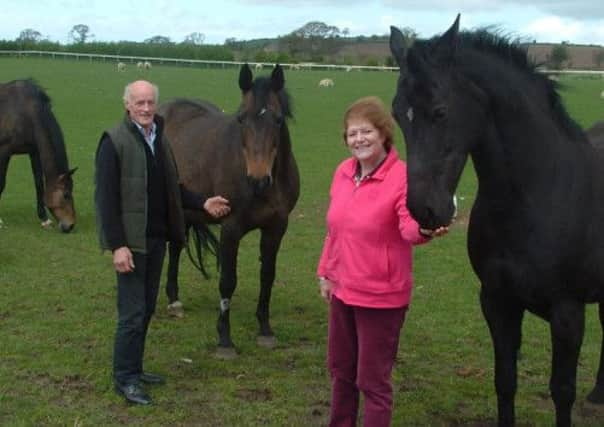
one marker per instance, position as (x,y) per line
(439,113)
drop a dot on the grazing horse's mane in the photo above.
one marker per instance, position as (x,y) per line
(511,52)
(49,123)
(261,90)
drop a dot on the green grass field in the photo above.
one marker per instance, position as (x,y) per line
(57,296)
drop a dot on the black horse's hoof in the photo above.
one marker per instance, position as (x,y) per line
(226,353)
(596,395)
(266,341)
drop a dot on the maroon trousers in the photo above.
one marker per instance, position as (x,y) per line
(362,347)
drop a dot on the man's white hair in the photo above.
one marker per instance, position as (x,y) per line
(128,88)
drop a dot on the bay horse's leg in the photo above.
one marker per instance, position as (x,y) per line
(36,168)
(597,394)
(270,241)
(229,247)
(504,318)
(4,158)
(174,305)
(567,324)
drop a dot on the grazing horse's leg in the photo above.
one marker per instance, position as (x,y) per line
(174,305)
(567,325)
(597,394)
(504,318)
(230,237)
(269,246)
(36,168)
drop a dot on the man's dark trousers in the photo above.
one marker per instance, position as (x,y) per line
(136,299)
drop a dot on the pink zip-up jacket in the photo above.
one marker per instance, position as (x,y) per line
(367,253)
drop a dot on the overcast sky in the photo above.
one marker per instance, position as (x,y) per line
(576,21)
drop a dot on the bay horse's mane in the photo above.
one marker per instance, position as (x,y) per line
(512,52)
(261,89)
(48,121)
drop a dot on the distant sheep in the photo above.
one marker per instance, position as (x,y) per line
(294,67)
(139,65)
(121,66)
(326,83)
(348,68)
(147,65)
(258,66)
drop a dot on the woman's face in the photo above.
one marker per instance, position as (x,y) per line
(365,141)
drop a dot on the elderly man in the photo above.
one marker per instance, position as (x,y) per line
(139,206)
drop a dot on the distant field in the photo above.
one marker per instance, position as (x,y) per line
(57,302)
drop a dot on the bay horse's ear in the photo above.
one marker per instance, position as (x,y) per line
(72,171)
(447,43)
(277,78)
(397,47)
(245,78)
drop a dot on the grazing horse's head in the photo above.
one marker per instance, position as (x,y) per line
(264,108)
(58,199)
(432,104)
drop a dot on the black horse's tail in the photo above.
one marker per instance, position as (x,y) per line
(203,240)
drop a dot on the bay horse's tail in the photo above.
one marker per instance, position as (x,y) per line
(203,240)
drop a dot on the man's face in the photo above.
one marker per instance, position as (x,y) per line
(141,104)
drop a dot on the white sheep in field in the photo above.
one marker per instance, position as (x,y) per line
(326,83)
(121,66)
(147,65)
(258,66)
(294,67)
(348,68)
(139,65)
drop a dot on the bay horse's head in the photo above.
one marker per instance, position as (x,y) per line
(432,105)
(58,198)
(264,108)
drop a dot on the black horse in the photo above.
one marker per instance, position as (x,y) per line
(28,126)
(595,134)
(534,237)
(247,158)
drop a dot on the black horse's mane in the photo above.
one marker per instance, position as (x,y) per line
(261,89)
(48,121)
(511,51)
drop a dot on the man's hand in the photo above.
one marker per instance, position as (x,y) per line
(122,260)
(217,206)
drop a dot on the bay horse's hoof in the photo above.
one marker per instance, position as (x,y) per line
(596,395)
(176,309)
(266,341)
(46,224)
(226,353)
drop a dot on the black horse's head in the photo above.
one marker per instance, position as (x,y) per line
(58,198)
(431,106)
(264,108)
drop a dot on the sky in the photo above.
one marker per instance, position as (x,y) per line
(575,21)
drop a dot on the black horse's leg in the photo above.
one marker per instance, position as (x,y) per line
(504,318)
(597,394)
(567,325)
(229,247)
(36,168)
(174,305)
(269,246)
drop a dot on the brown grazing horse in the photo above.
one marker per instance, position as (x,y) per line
(28,126)
(247,158)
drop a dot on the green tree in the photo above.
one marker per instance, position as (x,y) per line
(194,38)
(29,35)
(599,57)
(558,56)
(158,40)
(80,33)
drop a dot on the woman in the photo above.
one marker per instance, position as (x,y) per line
(365,267)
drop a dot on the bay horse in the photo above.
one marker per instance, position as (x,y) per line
(28,126)
(534,237)
(247,158)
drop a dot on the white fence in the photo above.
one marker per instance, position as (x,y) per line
(226,64)
(189,62)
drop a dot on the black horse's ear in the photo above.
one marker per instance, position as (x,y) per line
(398,47)
(277,78)
(245,78)
(447,43)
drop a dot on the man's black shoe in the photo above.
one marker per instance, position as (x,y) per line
(149,378)
(133,393)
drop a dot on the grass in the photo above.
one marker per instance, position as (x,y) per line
(57,295)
